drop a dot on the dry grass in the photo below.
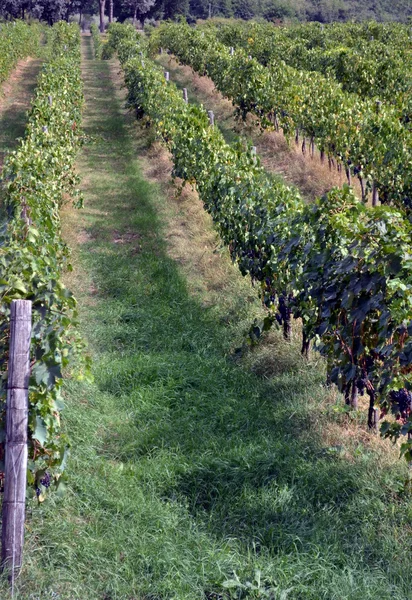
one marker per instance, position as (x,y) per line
(15,76)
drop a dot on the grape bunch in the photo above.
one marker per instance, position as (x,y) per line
(361,385)
(46,480)
(284,310)
(402,402)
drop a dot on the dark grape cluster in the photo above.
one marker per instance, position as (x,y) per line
(402,401)
(46,481)
(284,309)
(361,385)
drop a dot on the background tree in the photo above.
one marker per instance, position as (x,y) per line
(175,8)
(245,9)
(202,9)
(135,9)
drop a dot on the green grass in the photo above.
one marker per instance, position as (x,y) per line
(186,467)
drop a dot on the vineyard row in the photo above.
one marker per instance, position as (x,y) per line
(38,176)
(360,57)
(367,138)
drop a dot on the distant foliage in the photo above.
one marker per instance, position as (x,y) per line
(97,40)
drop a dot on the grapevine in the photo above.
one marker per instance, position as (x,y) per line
(37,177)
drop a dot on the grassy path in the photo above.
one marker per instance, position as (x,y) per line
(187,469)
(15,96)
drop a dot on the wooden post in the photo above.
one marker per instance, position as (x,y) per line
(363,189)
(232,51)
(348,175)
(211,117)
(50,100)
(376,419)
(373,413)
(185,98)
(160,50)
(253,153)
(17,407)
(167,75)
(375,195)
(354,396)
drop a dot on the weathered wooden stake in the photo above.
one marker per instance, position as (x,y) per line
(50,100)
(160,50)
(376,419)
(232,51)
(12,533)
(375,195)
(363,189)
(211,117)
(354,396)
(253,151)
(348,175)
(167,75)
(304,146)
(185,98)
